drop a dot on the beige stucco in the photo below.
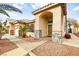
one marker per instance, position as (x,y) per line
(10,27)
(14,26)
(58,17)
(56,13)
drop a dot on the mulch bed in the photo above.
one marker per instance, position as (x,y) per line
(6,45)
(29,39)
(77,34)
(53,49)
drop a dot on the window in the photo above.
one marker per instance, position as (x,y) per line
(31,27)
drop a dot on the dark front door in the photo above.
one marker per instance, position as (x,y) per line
(50,30)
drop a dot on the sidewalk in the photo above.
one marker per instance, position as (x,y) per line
(15,52)
(24,47)
(74,41)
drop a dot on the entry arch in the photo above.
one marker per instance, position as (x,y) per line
(46,20)
(59,19)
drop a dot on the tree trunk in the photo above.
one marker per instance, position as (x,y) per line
(0,36)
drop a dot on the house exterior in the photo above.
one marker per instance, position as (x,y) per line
(9,26)
(51,21)
(13,26)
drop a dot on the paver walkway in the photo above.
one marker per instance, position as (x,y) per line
(74,41)
(24,47)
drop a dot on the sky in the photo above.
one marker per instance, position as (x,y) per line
(73,11)
(27,8)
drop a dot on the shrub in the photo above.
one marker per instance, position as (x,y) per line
(67,36)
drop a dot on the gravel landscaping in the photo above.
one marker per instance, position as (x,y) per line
(53,49)
(77,34)
(6,45)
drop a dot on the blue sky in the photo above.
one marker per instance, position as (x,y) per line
(27,8)
(73,10)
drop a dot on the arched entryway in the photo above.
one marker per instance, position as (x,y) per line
(46,20)
(51,21)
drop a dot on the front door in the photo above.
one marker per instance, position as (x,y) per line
(50,30)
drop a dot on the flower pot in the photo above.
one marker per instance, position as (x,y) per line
(67,36)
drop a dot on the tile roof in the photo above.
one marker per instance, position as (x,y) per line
(46,7)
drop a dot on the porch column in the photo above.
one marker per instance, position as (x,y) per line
(57,25)
(38,32)
(10,30)
(66,24)
(17,30)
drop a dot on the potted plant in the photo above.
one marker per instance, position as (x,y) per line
(67,36)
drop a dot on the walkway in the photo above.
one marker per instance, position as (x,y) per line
(24,47)
(74,41)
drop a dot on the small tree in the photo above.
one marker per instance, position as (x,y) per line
(74,23)
(24,30)
(2,30)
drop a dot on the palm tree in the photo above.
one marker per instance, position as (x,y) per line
(3,9)
(24,29)
(69,26)
(6,7)
(2,30)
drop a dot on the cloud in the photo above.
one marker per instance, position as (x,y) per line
(38,5)
(76,8)
(43,4)
(35,6)
(18,5)
(13,15)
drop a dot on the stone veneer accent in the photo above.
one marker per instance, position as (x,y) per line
(57,37)
(38,33)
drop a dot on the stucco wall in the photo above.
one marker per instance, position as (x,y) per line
(56,18)
(58,24)
(43,26)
